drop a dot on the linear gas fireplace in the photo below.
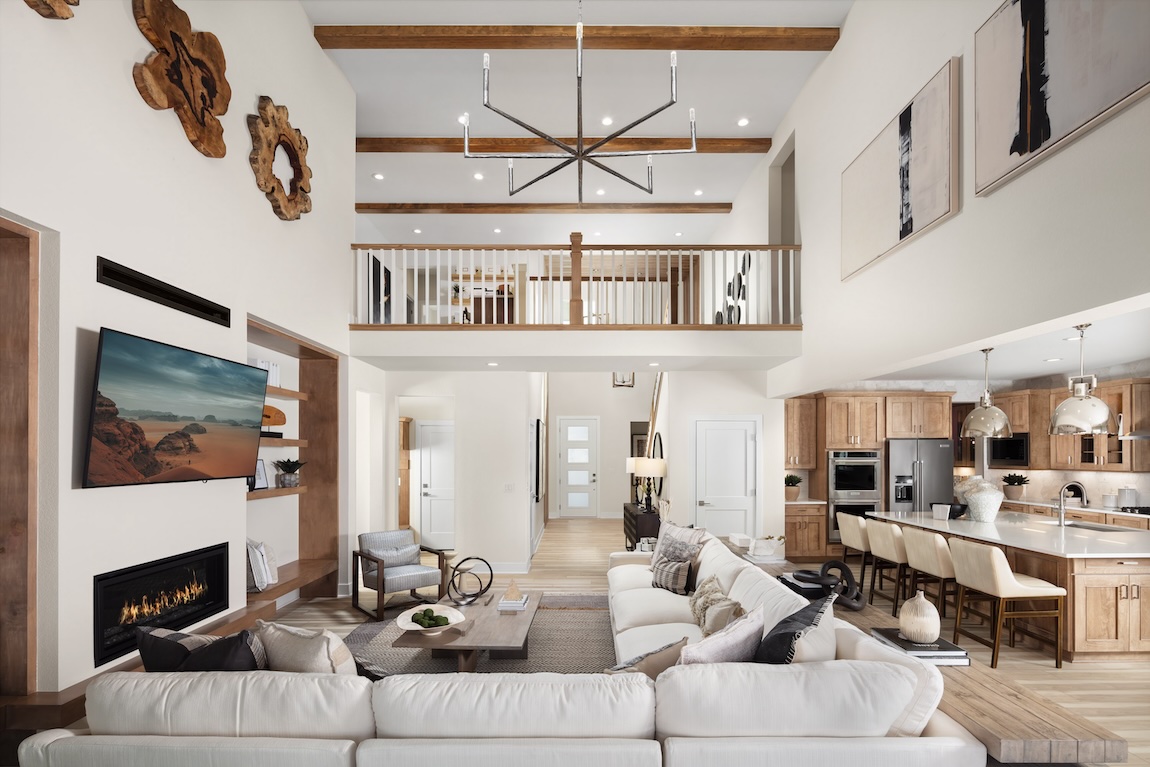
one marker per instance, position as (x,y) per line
(169,593)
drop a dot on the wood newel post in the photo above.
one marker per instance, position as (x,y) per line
(576,305)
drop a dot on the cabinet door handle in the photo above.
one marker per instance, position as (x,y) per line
(1122,592)
(1135,592)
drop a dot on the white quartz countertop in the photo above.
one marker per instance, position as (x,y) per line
(1031,532)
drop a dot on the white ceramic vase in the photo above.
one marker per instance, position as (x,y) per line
(983,504)
(918,620)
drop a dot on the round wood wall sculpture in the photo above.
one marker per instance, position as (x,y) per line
(52,9)
(271,130)
(186,73)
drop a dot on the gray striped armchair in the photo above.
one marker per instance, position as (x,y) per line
(389,562)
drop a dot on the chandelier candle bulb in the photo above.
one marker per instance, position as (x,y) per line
(674,59)
(487,61)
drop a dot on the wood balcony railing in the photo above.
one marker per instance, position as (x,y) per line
(578,285)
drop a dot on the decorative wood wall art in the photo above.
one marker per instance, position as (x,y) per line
(52,9)
(1047,72)
(271,130)
(906,180)
(186,73)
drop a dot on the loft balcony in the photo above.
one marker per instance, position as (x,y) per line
(577,307)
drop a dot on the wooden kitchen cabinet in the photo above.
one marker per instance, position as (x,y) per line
(806,531)
(1110,613)
(1121,520)
(800,433)
(1008,506)
(963,446)
(918,416)
(1017,409)
(854,423)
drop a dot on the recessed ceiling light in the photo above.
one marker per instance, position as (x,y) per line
(378,176)
(492,364)
(1054,359)
(497,231)
(478,177)
(743,122)
(698,192)
(600,191)
(597,233)
(417,231)
(652,364)
(678,234)
(607,121)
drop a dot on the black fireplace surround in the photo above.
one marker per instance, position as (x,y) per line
(170,593)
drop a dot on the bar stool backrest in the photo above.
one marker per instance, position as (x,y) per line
(927,552)
(981,567)
(852,528)
(886,541)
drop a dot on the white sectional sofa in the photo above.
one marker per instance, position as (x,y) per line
(870,706)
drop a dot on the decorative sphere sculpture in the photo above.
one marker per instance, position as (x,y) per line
(466,584)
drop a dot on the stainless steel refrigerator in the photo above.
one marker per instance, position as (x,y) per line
(919,472)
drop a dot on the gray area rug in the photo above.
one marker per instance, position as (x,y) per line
(571,634)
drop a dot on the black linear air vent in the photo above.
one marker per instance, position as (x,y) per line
(130,281)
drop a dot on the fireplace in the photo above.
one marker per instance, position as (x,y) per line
(170,593)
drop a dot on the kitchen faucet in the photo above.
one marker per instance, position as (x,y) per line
(1062,500)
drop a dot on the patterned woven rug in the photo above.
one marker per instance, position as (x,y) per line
(571,634)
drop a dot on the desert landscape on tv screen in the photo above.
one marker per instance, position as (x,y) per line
(164,414)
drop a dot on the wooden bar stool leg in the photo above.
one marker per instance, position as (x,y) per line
(874,578)
(999,611)
(899,582)
(958,611)
(862,571)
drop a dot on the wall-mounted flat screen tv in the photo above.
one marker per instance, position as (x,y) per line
(165,414)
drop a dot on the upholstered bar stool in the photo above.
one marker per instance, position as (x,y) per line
(889,553)
(983,573)
(929,558)
(852,529)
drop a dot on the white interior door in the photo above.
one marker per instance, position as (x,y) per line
(725,476)
(436,441)
(578,467)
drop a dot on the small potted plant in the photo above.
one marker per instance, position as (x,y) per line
(1013,485)
(288,476)
(791,484)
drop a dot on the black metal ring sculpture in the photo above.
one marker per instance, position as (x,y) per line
(460,585)
(841,582)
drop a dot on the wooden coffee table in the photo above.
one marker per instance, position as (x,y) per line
(502,635)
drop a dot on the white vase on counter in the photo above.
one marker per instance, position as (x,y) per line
(983,504)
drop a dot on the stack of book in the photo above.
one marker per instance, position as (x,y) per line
(939,652)
(513,605)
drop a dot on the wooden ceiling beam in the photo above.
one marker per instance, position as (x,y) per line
(454,145)
(630,38)
(675,208)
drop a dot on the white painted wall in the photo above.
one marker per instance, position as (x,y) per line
(85,157)
(695,396)
(1067,235)
(591,394)
(490,454)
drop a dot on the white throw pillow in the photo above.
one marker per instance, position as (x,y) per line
(257,566)
(301,650)
(272,565)
(734,644)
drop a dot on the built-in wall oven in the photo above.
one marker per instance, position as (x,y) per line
(855,485)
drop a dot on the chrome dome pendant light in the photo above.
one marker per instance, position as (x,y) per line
(1082,412)
(986,420)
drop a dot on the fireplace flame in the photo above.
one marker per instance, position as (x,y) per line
(151,605)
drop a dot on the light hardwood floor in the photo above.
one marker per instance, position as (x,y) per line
(572,558)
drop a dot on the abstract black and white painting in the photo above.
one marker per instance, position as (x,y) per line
(1047,71)
(905,181)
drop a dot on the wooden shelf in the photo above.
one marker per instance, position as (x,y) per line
(281,442)
(292,576)
(276,391)
(274,492)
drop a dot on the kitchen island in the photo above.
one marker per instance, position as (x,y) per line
(1103,569)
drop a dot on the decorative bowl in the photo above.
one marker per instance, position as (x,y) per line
(957,510)
(405,623)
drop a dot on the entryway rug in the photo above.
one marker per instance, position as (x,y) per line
(571,634)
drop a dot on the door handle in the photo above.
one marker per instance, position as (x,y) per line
(1122,593)
(704,503)
(426,494)
(1135,592)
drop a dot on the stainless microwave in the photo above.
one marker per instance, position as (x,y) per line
(1007,452)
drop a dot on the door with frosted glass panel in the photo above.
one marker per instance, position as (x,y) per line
(578,467)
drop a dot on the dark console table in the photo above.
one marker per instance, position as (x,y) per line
(638,523)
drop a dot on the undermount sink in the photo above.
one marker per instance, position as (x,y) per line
(1092,526)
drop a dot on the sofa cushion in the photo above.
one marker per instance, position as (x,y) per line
(643,607)
(166,650)
(627,577)
(290,648)
(716,559)
(707,594)
(542,705)
(72,750)
(754,588)
(854,644)
(734,644)
(231,704)
(671,575)
(511,752)
(803,636)
(654,662)
(643,639)
(836,698)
